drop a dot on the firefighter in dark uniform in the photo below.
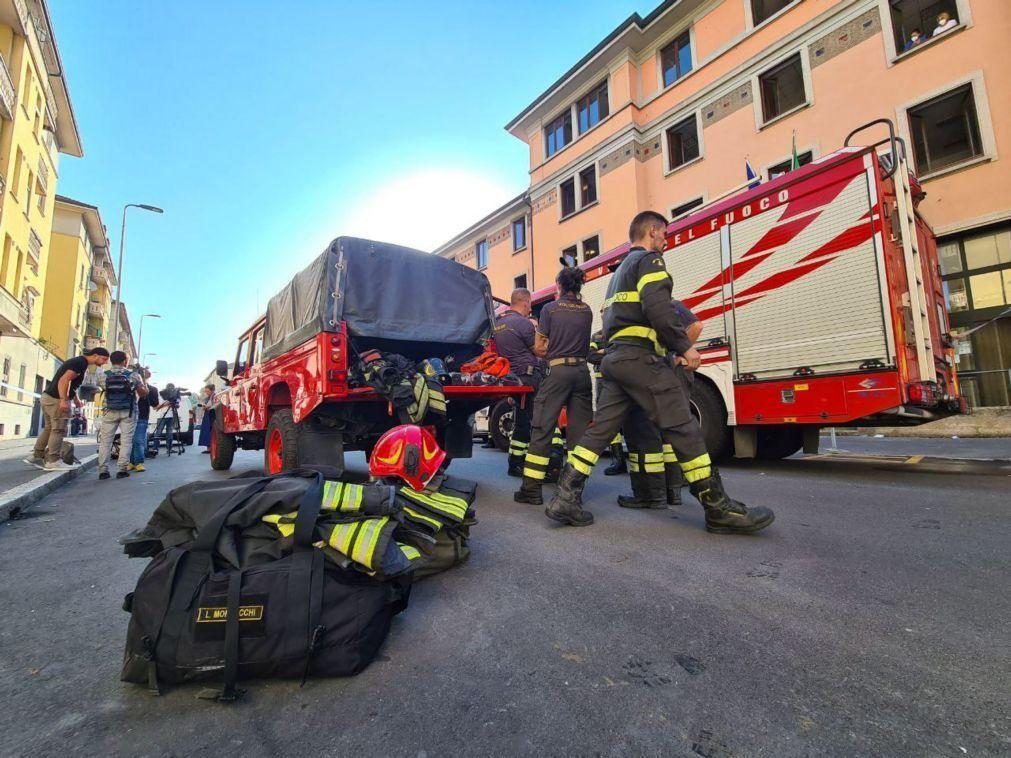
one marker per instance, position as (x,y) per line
(597,344)
(653,466)
(563,338)
(642,330)
(514,339)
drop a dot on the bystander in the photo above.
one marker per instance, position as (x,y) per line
(138,450)
(122,387)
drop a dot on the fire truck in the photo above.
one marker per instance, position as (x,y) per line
(821,301)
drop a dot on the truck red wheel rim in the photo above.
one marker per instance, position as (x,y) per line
(275,456)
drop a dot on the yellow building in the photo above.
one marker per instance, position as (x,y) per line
(78,240)
(36,124)
(103,277)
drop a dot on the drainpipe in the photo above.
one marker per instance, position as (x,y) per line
(530,241)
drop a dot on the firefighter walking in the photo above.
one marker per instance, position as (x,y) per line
(563,338)
(642,329)
(514,339)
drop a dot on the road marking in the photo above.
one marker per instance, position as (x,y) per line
(915,459)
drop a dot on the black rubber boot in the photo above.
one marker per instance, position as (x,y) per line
(725,515)
(675,481)
(565,506)
(529,492)
(618,465)
(647,491)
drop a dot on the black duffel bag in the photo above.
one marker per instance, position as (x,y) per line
(292,617)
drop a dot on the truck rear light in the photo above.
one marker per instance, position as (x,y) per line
(335,341)
(335,356)
(923,393)
(337,377)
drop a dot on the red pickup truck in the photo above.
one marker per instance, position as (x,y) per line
(291,391)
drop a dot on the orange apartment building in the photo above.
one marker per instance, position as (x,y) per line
(664,112)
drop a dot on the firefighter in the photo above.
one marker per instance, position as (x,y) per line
(514,339)
(642,330)
(597,344)
(563,338)
(655,475)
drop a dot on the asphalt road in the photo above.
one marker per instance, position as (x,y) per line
(870,620)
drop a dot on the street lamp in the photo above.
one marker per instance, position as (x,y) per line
(144,359)
(140,335)
(119,272)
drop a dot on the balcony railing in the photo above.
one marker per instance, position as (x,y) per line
(43,175)
(92,342)
(96,309)
(8,95)
(34,250)
(100,275)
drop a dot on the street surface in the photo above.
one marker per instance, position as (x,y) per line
(14,471)
(870,620)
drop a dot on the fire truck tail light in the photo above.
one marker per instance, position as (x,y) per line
(923,393)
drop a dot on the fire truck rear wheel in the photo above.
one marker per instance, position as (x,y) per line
(280,449)
(222,450)
(707,407)
(778,442)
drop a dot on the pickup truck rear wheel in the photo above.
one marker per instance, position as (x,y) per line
(222,450)
(280,451)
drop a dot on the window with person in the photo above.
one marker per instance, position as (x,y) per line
(782,88)
(571,255)
(682,143)
(676,59)
(916,21)
(945,130)
(593,108)
(558,134)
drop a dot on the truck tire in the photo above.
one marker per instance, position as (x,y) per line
(707,407)
(280,449)
(500,424)
(777,442)
(222,450)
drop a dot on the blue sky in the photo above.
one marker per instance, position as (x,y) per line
(266,129)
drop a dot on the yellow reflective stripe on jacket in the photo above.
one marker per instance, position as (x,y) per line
(452,506)
(697,468)
(358,540)
(437,525)
(644,281)
(641,332)
(410,552)
(285,523)
(342,496)
(621,297)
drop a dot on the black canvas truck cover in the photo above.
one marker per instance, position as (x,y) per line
(383,292)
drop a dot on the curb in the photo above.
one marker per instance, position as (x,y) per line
(15,501)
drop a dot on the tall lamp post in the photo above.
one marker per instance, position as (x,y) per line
(119,271)
(144,358)
(140,335)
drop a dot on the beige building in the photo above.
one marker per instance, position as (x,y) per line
(664,112)
(36,124)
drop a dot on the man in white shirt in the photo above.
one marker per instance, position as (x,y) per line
(944,23)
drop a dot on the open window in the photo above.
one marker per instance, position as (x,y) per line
(782,88)
(945,130)
(915,22)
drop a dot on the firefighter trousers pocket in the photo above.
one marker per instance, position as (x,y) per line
(667,391)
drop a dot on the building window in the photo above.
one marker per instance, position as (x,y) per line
(558,134)
(685,208)
(28,191)
(6,377)
(786,166)
(567,191)
(676,59)
(481,249)
(21,381)
(782,88)
(916,21)
(17,430)
(761,10)
(519,233)
(571,256)
(682,143)
(945,130)
(591,248)
(592,109)
(587,186)
(520,282)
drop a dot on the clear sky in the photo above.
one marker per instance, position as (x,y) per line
(266,129)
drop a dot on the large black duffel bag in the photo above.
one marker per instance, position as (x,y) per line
(292,617)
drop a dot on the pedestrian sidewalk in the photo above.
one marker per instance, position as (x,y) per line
(21,484)
(982,422)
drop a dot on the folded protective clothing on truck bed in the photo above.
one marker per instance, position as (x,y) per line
(418,398)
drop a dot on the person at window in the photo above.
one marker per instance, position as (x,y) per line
(916,38)
(945,23)
(56,399)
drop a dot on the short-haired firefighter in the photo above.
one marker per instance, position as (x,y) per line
(563,338)
(654,472)
(642,330)
(514,340)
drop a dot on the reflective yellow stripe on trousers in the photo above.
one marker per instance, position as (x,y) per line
(697,469)
(583,460)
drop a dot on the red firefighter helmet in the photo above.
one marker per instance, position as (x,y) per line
(408,452)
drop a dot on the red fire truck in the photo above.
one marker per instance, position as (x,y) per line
(821,301)
(291,391)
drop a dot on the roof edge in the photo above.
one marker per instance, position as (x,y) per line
(519,199)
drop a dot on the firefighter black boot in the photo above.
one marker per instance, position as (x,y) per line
(675,481)
(565,506)
(618,465)
(648,491)
(724,515)
(529,492)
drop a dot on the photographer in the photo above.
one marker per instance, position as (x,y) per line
(168,423)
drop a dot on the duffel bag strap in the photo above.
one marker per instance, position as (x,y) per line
(300,634)
(229,693)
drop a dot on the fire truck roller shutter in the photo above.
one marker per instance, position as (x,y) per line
(814,300)
(695,268)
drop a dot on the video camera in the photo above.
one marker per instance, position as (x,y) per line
(171,394)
